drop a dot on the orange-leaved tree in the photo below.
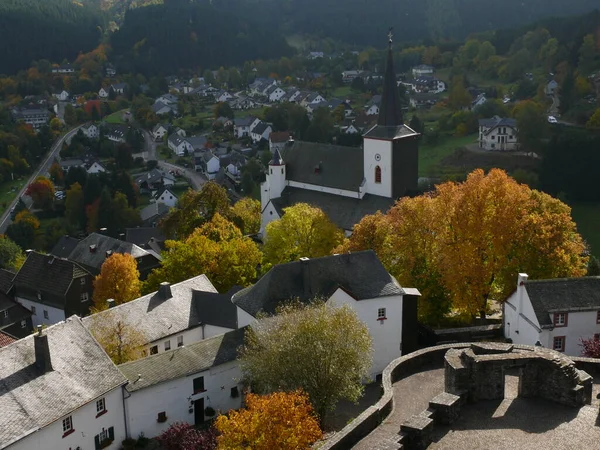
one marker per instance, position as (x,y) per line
(281,420)
(119,279)
(463,244)
(41,192)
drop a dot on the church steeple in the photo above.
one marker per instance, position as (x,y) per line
(390,112)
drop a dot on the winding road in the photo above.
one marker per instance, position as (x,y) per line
(41,170)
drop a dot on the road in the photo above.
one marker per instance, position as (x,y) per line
(196,179)
(41,170)
(150,145)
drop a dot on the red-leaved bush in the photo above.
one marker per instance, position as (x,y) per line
(183,436)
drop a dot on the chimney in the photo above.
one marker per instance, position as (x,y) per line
(521,279)
(164,290)
(122,236)
(108,253)
(102,230)
(42,351)
(306,276)
(93,248)
(151,239)
(111,303)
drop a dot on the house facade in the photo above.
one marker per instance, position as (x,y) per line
(179,145)
(209,164)
(555,313)
(159,131)
(33,115)
(66,392)
(260,131)
(63,96)
(498,134)
(90,131)
(15,319)
(165,196)
(422,70)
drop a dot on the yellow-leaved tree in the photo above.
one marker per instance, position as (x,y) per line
(216,249)
(303,231)
(463,244)
(119,338)
(246,215)
(119,279)
(282,420)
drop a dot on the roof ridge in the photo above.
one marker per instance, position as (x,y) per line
(553,280)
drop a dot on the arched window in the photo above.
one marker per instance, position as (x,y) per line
(377,174)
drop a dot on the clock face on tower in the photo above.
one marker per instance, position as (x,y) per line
(377,157)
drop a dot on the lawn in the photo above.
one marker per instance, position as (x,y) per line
(430,156)
(587,217)
(116,117)
(8,192)
(342,92)
(249,112)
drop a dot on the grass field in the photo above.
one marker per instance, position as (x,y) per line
(116,117)
(430,156)
(587,217)
(249,112)
(342,92)
(8,192)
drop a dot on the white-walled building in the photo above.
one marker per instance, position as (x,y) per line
(355,279)
(90,131)
(260,131)
(164,195)
(103,92)
(159,131)
(555,313)
(178,385)
(498,134)
(179,145)
(60,390)
(347,183)
(63,95)
(95,167)
(422,70)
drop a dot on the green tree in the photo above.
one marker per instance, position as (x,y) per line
(11,255)
(594,121)
(532,125)
(587,54)
(74,207)
(459,96)
(303,231)
(70,115)
(246,215)
(223,110)
(298,348)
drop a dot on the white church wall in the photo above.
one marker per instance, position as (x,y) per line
(378,153)
(328,190)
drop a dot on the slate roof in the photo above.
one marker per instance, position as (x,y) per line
(158,126)
(260,128)
(197,142)
(158,105)
(48,274)
(375,100)
(6,277)
(216,309)
(183,361)
(497,122)
(64,246)
(30,400)
(71,162)
(390,112)
(93,260)
(161,191)
(140,236)
(156,209)
(6,339)
(339,167)
(389,133)
(360,274)
(156,317)
(562,294)
(345,212)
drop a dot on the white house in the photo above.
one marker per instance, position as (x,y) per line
(478,101)
(556,313)
(179,145)
(168,99)
(372,108)
(209,164)
(241,126)
(103,92)
(313,97)
(422,70)
(222,96)
(275,93)
(119,88)
(63,68)
(63,96)
(551,87)
(64,392)
(261,131)
(498,134)
(178,385)
(176,315)
(315,55)
(90,131)
(95,167)
(159,131)
(358,280)
(164,195)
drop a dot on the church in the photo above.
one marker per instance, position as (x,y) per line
(347,183)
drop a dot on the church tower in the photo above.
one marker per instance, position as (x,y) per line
(391,149)
(275,180)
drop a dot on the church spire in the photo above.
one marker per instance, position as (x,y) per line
(390,113)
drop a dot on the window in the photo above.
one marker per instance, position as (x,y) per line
(100,406)
(377,174)
(561,319)
(235,392)
(33,310)
(168,345)
(46,314)
(82,281)
(179,341)
(598,317)
(271,171)
(559,343)
(162,417)
(5,313)
(154,350)
(104,438)
(199,385)
(85,297)
(67,426)
(381,314)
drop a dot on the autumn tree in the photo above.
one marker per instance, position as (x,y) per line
(246,215)
(216,249)
(281,420)
(297,348)
(56,173)
(303,230)
(532,124)
(119,338)
(11,255)
(74,208)
(24,230)
(183,436)
(594,121)
(41,192)
(591,347)
(464,244)
(459,97)
(119,279)
(195,208)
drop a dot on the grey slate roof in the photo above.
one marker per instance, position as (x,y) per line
(497,122)
(64,246)
(47,274)
(360,274)
(338,166)
(156,317)
(562,294)
(390,112)
(141,236)
(183,361)
(216,309)
(156,209)
(30,400)
(345,212)
(93,260)
(6,277)
(389,133)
